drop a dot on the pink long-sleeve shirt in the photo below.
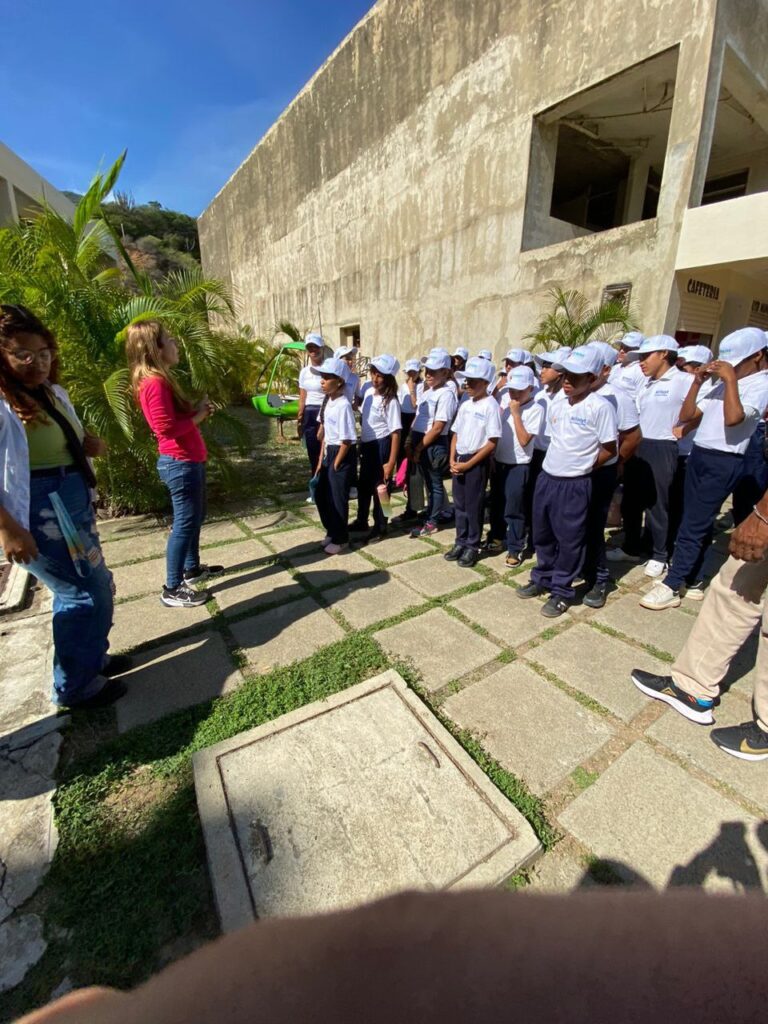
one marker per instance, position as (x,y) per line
(176,434)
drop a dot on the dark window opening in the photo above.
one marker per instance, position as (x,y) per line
(728,186)
(350,335)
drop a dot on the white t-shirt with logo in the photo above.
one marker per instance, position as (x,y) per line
(476,424)
(339,421)
(352,388)
(577,433)
(509,450)
(713,434)
(404,394)
(659,403)
(312,384)
(627,416)
(436,404)
(378,420)
(629,377)
(545,399)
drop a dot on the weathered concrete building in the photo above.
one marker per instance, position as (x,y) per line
(23,190)
(455,159)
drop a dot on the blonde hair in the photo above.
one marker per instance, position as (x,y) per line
(143,342)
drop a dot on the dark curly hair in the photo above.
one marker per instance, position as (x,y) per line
(15,320)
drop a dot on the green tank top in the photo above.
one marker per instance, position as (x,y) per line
(47,444)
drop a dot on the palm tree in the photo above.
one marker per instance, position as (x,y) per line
(572,321)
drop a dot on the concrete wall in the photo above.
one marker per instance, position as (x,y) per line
(22,190)
(392,192)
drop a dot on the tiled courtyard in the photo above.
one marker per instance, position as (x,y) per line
(634,791)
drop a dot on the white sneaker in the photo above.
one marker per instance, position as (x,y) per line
(696,591)
(655,569)
(619,555)
(336,549)
(309,501)
(659,597)
(325,541)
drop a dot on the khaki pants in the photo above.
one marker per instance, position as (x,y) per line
(732,608)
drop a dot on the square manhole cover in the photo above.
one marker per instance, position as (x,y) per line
(348,800)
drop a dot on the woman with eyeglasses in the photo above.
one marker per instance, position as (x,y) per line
(47,523)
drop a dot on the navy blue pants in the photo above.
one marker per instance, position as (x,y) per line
(468,501)
(595,568)
(434,462)
(754,477)
(373,456)
(648,483)
(537,461)
(560,509)
(509,483)
(309,427)
(710,477)
(332,494)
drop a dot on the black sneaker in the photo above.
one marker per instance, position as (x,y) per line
(468,558)
(202,572)
(454,554)
(358,526)
(746,741)
(664,688)
(597,596)
(555,607)
(376,533)
(184,596)
(117,665)
(108,694)
(531,590)
(493,546)
(407,516)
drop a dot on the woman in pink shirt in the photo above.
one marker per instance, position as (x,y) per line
(152,354)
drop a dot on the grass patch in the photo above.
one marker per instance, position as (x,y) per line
(588,702)
(609,631)
(584,779)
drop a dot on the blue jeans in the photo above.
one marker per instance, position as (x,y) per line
(186,482)
(82,606)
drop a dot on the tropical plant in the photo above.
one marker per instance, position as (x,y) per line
(65,272)
(572,321)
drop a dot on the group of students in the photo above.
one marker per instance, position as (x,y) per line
(554,433)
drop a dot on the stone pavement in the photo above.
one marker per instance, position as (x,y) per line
(633,790)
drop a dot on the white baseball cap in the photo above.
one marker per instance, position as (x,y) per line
(438,359)
(386,364)
(584,359)
(608,352)
(485,353)
(412,365)
(333,366)
(314,339)
(634,339)
(344,350)
(463,352)
(741,344)
(557,355)
(518,379)
(656,343)
(695,354)
(518,355)
(477,368)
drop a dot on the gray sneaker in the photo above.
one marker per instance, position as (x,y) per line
(184,596)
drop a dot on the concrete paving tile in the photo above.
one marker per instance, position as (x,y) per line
(176,676)
(695,745)
(321,570)
(666,630)
(255,586)
(142,578)
(558,872)
(22,944)
(441,647)
(286,634)
(141,545)
(215,533)
(599,666)
(394,549)
(125,526)
(295,542)
(372,599)
(510,619)
(508,709)
(271,520)
(434,576)
(147,619)
(241,556)
(654,821)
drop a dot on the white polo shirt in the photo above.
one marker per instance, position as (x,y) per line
(629,377)
(339,422)
(509,450)
(406,402)
(576,434)
(476,424)
(545,400)
(685,444)
(378,420)
(435,404)
(713,433)
(627,416)
(312,384)
(659,404)
(352,388)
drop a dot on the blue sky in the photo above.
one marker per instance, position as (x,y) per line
(187,87)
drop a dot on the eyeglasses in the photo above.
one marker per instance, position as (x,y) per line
(24,356)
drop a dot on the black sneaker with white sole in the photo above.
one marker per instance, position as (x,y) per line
(746,741)
(664,688)
(202,572)
(184,596)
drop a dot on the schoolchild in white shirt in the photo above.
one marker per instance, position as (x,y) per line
(353,387)
(551,391)
(459,359)
(338,456)
(689,359)
(514,357)
(726,419)
(649,477)
(381,429)
(626,373)
(475,433)
(521,419)
(410,394)
(310,401)
(595,570)
(583,436)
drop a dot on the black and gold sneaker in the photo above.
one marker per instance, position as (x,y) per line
(664,688)
(747,741)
